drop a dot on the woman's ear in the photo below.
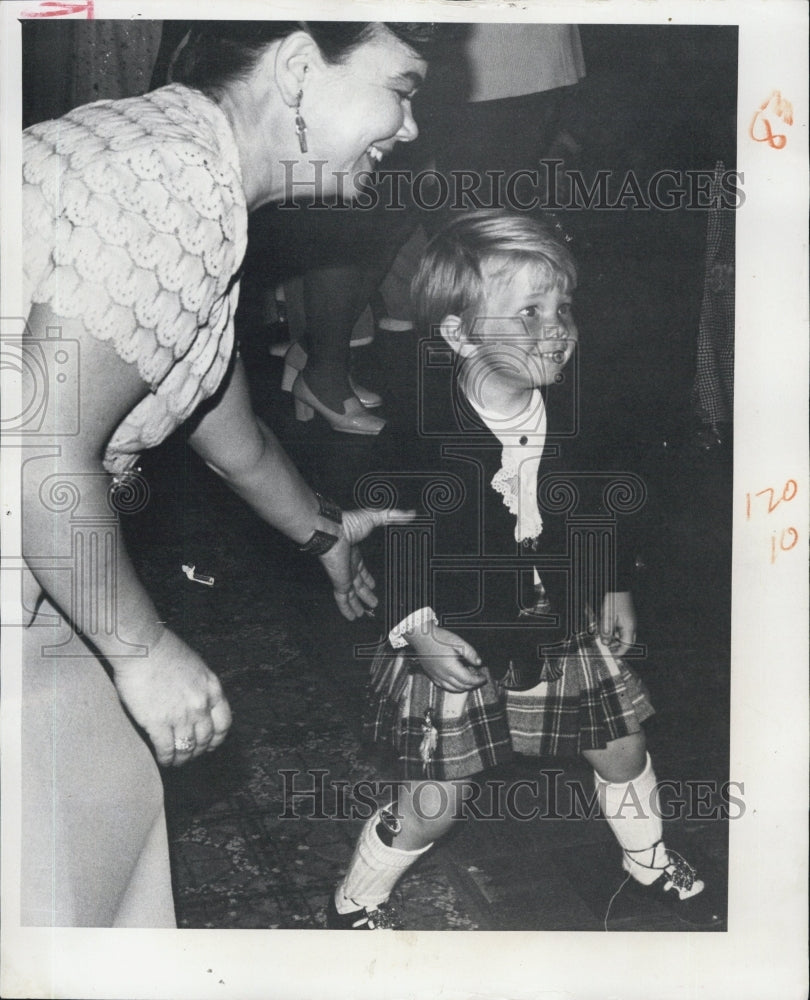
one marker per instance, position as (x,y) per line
(292,60)
(452,331)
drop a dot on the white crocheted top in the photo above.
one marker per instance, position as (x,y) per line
(135,223)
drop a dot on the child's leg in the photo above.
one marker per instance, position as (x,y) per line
(392,840)
(629,798)
(628,795)
(627,790)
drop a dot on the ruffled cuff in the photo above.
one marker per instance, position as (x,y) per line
(415,620)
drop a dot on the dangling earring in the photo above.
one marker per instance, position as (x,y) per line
(300,124)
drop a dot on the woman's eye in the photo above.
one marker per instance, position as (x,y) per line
(529,312)
(564,309)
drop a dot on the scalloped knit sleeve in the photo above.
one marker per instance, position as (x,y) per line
(135,224)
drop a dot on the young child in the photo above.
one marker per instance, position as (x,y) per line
(499,287)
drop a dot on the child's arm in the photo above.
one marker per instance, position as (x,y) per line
(447,659)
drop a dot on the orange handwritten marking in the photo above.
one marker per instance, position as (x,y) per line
(787,533)
(761,130)
(789,537)
(788,493)
(61,8)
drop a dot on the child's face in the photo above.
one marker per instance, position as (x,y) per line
(530,334)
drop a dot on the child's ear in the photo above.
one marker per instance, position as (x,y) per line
(452,330)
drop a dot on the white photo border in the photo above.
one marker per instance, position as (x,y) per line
(764,951)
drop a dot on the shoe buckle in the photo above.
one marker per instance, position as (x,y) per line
(680,874)
(383,918)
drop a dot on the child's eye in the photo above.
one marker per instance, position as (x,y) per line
(529,312)
(564,309)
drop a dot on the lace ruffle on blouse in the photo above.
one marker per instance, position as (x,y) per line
(135,224)
(522,437)
(509,481)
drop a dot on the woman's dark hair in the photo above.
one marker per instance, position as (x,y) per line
(215,53)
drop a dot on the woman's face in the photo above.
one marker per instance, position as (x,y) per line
(357,111)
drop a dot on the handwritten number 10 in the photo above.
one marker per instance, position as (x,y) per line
(789,538)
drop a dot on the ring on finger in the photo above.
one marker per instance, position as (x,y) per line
(183,743)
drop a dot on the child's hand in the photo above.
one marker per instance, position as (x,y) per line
(450,662)
(618,623)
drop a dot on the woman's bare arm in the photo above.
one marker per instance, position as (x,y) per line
(166,686)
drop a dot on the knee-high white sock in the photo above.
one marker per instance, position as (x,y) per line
(633,814)
(374,870)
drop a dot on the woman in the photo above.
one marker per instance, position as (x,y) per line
(135,219)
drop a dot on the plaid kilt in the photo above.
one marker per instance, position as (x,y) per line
(470,729)
(593,700)
(596,699)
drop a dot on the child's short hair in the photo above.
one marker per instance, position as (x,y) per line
(477,247)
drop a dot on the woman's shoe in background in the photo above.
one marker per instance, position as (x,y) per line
(355,418)
(295,360)
(371,400)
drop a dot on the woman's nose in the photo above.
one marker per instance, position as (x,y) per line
(408,130)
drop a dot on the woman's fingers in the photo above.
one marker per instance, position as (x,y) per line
(365,576)
(203,734)
(176,699)
(359,596)
(355,603)
(358,524)
(348,605)
(184,745)
(163,742)
(221,721)
(207,732)
(398,516)
(365,591)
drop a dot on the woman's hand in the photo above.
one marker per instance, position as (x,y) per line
(248,456)
(353,584)
(617,625)
(173,695)
(450,662)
